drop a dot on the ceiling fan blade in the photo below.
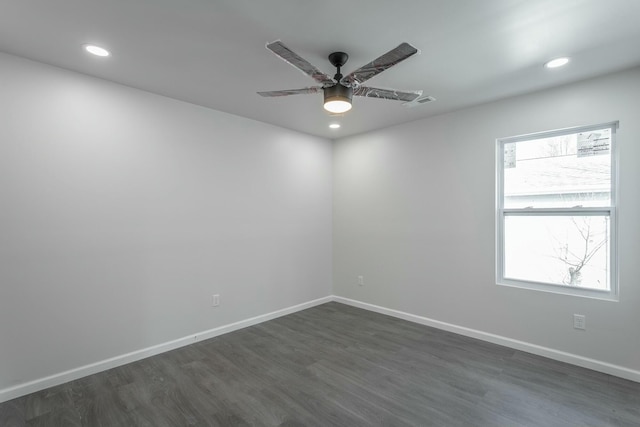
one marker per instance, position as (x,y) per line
(300,63)
(375,67)
(395,95)
(287,92)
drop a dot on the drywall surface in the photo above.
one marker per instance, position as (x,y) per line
(123,212)
(414,214)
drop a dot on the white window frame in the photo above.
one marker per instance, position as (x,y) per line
(610,211)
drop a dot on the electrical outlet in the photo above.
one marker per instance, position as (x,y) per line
(360,280)
(579,321)
(215,300)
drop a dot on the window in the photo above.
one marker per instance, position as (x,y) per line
(556,211)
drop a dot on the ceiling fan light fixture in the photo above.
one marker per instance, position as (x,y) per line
(337,98)
(337,106)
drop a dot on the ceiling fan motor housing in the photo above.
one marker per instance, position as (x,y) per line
(337,93)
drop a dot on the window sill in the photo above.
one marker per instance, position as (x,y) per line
(560,289)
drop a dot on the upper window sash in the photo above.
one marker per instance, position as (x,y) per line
(545,171)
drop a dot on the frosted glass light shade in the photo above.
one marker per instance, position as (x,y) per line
(337,106)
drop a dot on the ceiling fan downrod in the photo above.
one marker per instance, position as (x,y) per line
(338,59)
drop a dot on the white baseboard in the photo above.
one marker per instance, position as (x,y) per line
(574,359)
(76,373)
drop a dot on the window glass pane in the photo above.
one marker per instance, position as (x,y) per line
(559,172)
(560,250)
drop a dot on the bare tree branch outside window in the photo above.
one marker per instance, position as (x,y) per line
(576,254)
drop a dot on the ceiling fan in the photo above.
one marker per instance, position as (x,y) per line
(339,90)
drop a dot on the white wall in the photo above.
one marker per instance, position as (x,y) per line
(414,213)
(122,212)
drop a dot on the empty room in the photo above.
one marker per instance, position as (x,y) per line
(361,213)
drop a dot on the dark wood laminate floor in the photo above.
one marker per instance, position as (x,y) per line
(336,365)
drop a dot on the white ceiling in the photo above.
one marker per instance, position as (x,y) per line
(212,52)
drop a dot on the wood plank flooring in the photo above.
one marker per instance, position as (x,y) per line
(335,365)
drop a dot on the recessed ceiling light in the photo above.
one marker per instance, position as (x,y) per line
(334,125)
(96,50)
(558,62)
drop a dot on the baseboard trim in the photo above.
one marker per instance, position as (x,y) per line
(93,368)
(76,373)
(574,359)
